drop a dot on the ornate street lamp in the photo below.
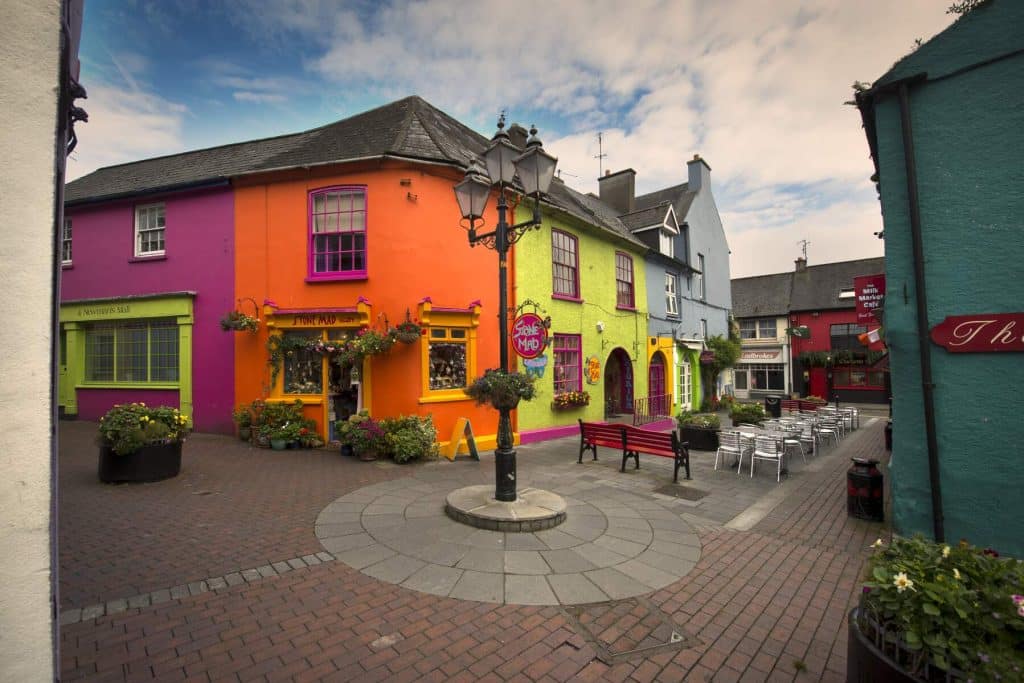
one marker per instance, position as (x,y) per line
(535,169)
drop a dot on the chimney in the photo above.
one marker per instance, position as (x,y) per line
(618,190)
(801,264)
(517,135)
(699,174)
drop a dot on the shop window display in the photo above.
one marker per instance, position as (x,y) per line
(447,358)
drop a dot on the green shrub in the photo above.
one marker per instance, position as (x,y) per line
(410,437)
(128,427)
(699,420)
(957,606)
(750,413)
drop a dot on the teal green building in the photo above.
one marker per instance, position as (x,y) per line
(946,130)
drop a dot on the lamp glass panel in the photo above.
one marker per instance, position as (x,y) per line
(500,160)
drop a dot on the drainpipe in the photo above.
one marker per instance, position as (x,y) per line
(927,385)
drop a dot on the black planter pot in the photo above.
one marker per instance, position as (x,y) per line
(865,663)
(149,463)
(699,439)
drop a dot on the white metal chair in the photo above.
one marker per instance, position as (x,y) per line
(729,442)
(791,440)
(766,448)
(829,428)
(809,437)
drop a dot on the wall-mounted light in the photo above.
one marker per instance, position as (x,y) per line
(600,326)
(354,376)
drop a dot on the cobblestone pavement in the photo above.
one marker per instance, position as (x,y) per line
(219,574)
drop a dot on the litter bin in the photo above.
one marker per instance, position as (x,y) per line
(773,406)
(864,487)
(888,435)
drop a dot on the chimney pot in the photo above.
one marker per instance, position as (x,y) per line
(801,264)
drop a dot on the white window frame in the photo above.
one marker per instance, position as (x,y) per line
(684,386)
(667,243)
(671,300)
(770,324)
(703,328)
(161,228)
(701,293)
(65,242)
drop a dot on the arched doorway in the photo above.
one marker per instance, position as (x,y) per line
(656,391)
(618,383)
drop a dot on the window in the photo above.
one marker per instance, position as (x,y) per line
(860,378)
(671,303)
(684,385)
(766,328)
(703,328)
(846,293)
(337,227)
(757,328)
(623,280)
(149,230)
(564,265)
(568,373)
(844,337)
(700,277)
(132,352)
(303,368)
(748,329)
(65,242)
(666,243)
(447,358)
(766,377)
(740,378)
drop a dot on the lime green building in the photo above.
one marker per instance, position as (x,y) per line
(583,272)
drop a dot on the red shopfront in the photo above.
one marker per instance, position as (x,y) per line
(832,361)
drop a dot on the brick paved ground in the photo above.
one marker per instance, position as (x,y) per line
(767,603)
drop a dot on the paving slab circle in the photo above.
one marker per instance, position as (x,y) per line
(613,544)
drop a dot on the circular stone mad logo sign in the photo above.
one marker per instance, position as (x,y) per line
(529,336)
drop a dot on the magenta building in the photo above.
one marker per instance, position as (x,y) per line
(148,272)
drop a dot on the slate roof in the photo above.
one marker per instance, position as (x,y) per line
(645,218)
(408,128)
(761,296)
(679,196)
(817,287)
(591,210)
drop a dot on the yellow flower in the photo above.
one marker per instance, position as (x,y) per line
(945,551)
(877,544)
(142,404)
(902,583)
(956,573)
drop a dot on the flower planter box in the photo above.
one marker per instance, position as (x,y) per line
(149,463)
(699,439)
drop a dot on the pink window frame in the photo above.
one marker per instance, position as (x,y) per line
(562,385)
(575,268)
(622,260)
(313,276)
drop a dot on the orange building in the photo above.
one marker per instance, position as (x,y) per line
(349,227)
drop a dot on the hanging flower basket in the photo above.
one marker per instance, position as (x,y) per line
(503,390)
(239,322)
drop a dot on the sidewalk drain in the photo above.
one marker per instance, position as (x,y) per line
(683,492)
(620,629)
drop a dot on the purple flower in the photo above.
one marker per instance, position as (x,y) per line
(866,589)
(984,657)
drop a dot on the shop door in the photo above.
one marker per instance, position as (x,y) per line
(741,381)
(656,385)
(618,383)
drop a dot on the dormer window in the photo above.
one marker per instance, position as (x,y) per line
(666,243)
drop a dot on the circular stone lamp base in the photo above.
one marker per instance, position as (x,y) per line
(533,509)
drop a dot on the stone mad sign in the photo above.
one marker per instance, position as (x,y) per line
(869,290)
(980,333)
(529,335)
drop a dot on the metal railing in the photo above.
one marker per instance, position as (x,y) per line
(651,409)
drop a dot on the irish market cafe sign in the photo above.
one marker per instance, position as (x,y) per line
(981,333)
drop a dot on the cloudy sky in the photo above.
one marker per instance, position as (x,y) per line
(757,88)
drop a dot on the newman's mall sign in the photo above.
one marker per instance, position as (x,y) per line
(981,333)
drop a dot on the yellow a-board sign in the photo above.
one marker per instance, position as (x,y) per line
(463,432)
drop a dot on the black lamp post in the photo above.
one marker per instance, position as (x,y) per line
(535,169)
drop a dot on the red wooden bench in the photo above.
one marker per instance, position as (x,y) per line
(633,441)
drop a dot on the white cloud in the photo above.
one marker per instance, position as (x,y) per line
(259,97)
(125,124)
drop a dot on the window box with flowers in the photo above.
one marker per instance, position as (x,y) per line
(140,444)
(934,612)
(567,400)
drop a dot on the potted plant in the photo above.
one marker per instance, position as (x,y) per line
(138,443)
(239,322)
(501,389)
(700,430)
(567,400)
(928,609)
(410,438)
(363,434)
(747,413)
(242,417)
